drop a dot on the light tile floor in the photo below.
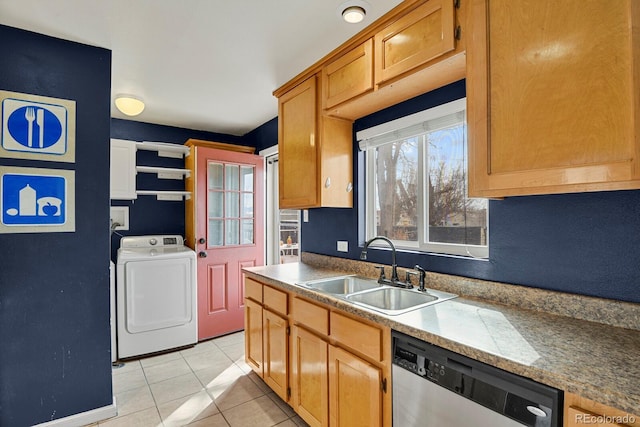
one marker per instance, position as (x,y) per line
(206,385)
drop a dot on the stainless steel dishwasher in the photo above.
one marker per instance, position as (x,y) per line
(434,387)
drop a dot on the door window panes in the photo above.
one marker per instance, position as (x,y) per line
(246,176)
(216,204)
(232,177)
(232,205)
(216,173)
(247,232)
(247,205)
(232,233)
(230,198)
(215,232)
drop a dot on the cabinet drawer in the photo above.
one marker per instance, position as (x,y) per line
(361,337)
(253,290)
(275,300)
(310,315)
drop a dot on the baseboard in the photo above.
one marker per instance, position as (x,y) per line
(84,418)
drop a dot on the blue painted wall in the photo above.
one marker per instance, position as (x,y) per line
(147,215)
(587,243)
(54,287)
(263,136)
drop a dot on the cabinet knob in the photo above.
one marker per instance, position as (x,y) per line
(327,183)
(202,241)
(349,187)
(202,254)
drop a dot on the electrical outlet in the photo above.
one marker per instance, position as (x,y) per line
(343,246)
(305,215)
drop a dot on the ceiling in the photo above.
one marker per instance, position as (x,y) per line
(199,64)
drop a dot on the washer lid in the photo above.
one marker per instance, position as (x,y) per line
(152,247)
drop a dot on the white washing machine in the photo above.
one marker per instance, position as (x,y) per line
(156,296)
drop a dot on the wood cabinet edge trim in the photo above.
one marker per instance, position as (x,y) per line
(191,142)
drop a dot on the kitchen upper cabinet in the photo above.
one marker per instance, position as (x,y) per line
(417,47)
(348,76)
(315,152)
(553,96)
(579,411)
(416,38)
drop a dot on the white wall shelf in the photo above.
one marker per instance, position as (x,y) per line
(165,195)
(124,169)
(164,149)
(165,173)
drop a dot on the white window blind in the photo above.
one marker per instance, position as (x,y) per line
(434,119)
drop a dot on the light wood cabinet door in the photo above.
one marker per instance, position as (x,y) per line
(552,95)
(297,147)
(348,76)
(415,39)
(580,411)
(275,352)
(354,390)
(310,378)
(253,335)
(579,417)
(315,152)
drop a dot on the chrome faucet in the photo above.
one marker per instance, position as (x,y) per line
(394,267)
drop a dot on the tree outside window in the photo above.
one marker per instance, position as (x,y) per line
(421,193)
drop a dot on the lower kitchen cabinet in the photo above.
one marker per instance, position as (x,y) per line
(339,367)
(267,335)
(580,411)
(275,340)
(330,366)
(253,335)
(354,390)
(310,377)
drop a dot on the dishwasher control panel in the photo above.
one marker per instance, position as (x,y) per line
(413,358)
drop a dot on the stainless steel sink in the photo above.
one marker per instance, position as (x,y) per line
(394,301)
(343,285)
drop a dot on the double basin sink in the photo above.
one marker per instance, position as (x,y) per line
(370,294)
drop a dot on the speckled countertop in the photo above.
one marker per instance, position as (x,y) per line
(594,360)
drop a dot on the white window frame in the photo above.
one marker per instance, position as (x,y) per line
(395,130)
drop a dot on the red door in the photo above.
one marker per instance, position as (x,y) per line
(229,235)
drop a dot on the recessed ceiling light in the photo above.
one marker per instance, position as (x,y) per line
(129,104)
(353,11)
(353,14)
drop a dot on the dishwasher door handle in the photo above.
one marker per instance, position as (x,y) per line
(460,367)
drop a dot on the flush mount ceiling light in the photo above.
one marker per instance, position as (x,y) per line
(353,11)
(353,14)
(129,104)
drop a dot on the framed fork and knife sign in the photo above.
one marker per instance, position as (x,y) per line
(37,200)
(37,127)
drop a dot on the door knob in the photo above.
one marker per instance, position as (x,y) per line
(202,241)
(202,254)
